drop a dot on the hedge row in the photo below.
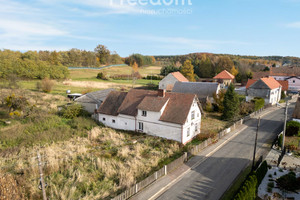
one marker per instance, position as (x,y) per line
(249,188)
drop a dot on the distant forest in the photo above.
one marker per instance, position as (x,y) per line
(53,64)
(207,65)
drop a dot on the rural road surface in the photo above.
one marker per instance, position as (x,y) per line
(210,179)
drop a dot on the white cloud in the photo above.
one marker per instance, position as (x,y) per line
(21,27)
(293,25)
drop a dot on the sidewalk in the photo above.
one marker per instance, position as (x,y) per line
(161,185)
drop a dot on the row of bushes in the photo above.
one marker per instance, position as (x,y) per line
(26,68)
(249,187)
(153,77)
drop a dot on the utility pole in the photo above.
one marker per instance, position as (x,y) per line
(41,176)
(255,144)
(284,128)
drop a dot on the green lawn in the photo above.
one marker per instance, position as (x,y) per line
(83,74)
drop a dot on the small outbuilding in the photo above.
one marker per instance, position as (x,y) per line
(92,101)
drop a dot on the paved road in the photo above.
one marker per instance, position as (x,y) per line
(213,176)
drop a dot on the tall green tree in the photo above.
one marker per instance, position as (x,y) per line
(188,70)
(231,104)
(103,54)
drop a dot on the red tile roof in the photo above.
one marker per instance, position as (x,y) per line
(285,85)
(269,81)
(180,77)
(112,103)
(224,75)
(250,82)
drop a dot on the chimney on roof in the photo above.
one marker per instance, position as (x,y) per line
(161,93)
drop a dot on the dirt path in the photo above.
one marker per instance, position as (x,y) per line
(94,84)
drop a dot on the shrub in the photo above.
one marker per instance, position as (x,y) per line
(71,111)
(261,172)
(292,128)
(246,108)
(47,85)
(269,189)
(258,103)
(208,106)
(288,182)
(149,77)
(102,76)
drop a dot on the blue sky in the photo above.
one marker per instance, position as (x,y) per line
(246,27)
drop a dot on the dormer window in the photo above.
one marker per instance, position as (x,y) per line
(144,113)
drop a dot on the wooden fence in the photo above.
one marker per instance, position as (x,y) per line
(178,162)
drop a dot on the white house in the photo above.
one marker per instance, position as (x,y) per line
(92,101)
(266,88)
(173,116)
(169,81)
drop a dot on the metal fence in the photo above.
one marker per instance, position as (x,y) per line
(178,162)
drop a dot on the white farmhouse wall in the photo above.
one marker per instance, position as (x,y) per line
(123,122)
(191,124)
(168,80)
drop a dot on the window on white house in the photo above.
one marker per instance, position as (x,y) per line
(294,81)
(193,115)
(196,127)
(144,113)
(103,119)
(141,126)
(113,121)
(188,132)
(198,114)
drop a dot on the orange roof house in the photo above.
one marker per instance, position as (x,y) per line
(224,77)
(267,88)
(169,81)
(285,85)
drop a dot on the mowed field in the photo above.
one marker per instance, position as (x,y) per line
(84,80)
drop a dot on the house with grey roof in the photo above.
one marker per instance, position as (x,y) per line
(203,90)
(153,112)
(92,101)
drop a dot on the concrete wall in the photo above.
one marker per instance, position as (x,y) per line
(168,80)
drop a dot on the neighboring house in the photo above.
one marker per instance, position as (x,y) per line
(266,88)
(296,113)
(203,90)
(169,81)
(173,116)
(290,74)
(285,86)
(92,101)
(224,77)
